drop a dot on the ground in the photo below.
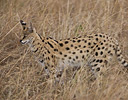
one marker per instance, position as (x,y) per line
(22,78)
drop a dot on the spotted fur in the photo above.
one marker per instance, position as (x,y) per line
(95,50)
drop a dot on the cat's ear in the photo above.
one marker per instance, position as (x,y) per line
(23,24)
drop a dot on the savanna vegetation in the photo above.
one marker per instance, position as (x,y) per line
(22,78)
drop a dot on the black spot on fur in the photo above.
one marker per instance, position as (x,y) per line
(79,45)
(87,50)
(61,44)
(98,48)
(97,60)
(52,56)
(96,53)
(101,52)
(74,53)
(109,51)
(101,61)
(85,41)
(81,51)
(55,49)
(65,55)
(76,57)
(48,51)
(75,47)
(90,36)
(94,60)
(69,57)
(95,65)
(73,59)
(96,35)
(61,53)
(96,39)
(78,41)
(66,42)
(73,41)
(101,43)
(71,45)
(92,46)
(98,69)
(48,58)
(94,43)
(100,35)
(89,43)
(102,47)
(84,46)
(111,54)
(67,48)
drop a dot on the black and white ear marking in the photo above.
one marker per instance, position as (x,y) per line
(23,24)
(30,29)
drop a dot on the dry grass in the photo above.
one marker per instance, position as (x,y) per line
(21,78)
